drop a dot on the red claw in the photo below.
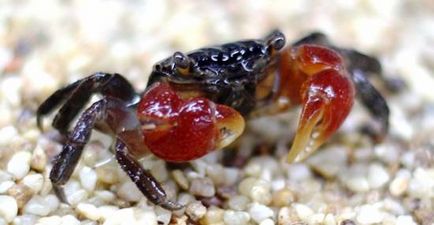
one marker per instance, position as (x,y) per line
(324,91)
(178,130)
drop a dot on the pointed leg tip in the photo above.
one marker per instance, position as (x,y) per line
(60,193)
(170,205)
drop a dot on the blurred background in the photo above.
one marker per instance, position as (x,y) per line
(47,44)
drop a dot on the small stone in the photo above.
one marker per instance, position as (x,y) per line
(5,185)
(369,214)
(49,220)
(257,189)
(195,210)
(107,211)
(238,202)
(231,217)
(22,193)
(132,216)
(74,193)
(8,208)
(19,164)
(399,184)
(213,215)
(357,184)
(317,218)
(159,171)
(39,159)
(34,181)
(106,196)
(231,176)
(216,173)
(69,220)
(303,211)
(89,211)
(26,219)
(129,192)
(287,216)
(328,162)
(41,206)
(377,176)
(267,222)
(283,197)
(108,173)
(88,178)
(422,183)
(203,187)
(259,212)
(180,179)
(163,216)
(329,219)
(405,220)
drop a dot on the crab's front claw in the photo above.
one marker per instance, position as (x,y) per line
(327,99)
(182,129)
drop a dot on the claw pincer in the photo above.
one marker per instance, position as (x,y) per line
(315,78)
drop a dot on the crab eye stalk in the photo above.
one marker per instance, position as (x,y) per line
(182,63)
(275,41)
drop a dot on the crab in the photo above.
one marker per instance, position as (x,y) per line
(197,102)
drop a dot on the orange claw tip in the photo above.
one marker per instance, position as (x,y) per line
(230,124)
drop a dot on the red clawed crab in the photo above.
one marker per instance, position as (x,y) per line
(197,102)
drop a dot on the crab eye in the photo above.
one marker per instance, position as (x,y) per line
(182,63)
(275,40)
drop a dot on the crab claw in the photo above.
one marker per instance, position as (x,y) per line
(182,129)
(327,100)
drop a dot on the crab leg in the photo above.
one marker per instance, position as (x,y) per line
(179,130)
(317,80)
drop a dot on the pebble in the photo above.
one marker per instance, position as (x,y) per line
(214,215)
(34,181)
(74,193)
(39,159)
(88,178)
(422,183)
(257,189)
(8,208)
(163,215)
(49,220)
(195,210)
(377,176)
(70,220)
(329,162)
(369,214)
(283,197)
(203,187)
(267,222)
(19,164)
(132,216)
(399,185)
(304,212)
(22,193)
(107,211)
(26,219)
(238,202)
(259,212)
(180,179)
(129,192)
(41,206)
(231,217)
(5,185)
(89,211)
(405,220)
